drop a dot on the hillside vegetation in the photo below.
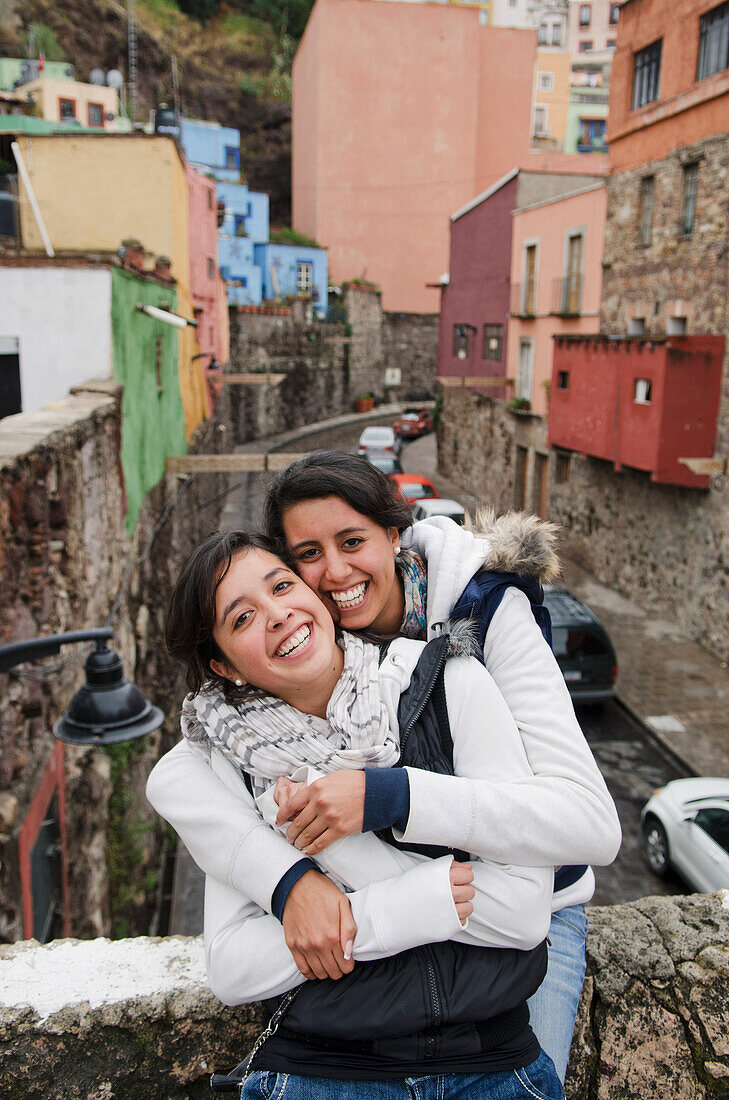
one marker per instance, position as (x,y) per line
(234,64)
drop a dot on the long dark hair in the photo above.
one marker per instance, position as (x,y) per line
(191,615)
(334,473)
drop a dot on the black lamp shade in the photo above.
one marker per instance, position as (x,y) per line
(107,709)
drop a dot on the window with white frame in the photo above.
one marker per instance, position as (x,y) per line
(556,34)
(540,119)
(585,15)
(614,14)
(643,393)
(304,277)
(543,35)
(546,82)
(525,373)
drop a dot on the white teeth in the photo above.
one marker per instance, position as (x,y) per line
(301,637)
(351,596)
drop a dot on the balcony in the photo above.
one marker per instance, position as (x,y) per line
(523,300)
(567,296)
(645,403)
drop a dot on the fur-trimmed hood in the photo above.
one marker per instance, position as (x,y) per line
(513,543)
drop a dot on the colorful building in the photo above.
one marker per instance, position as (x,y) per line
(206,285)
(92,105)
(475,335)
(212,147)
(593,28)
(291,270)
(401,113)
(85,308)
(556,278)
(15,71)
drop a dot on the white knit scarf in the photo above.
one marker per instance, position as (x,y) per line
(268,738)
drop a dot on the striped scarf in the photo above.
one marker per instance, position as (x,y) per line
(268,738)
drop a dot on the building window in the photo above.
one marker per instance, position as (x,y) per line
(232,157)
(586,46)
(636,326)
(713,42)
(540,119)
(573,280)
(210,199)
(688,198)
(542,38)
(239,225)
(592,135)
(540,485)
(304,277)
(546,82)
(643,391)
(646,74)
(585,14)
(96,114)
(66,109)
(525,374)
(211,268)
(460,341)
(562,468)
(614,13)
(556,34)
(647,187)
(492,342)
(563,380)
(529,304)
(611,43)
(676,326)
(220,213)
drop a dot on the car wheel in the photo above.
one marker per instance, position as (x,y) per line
(656,847)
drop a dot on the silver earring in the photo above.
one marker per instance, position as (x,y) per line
(239,683)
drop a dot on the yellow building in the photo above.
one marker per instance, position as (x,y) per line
(551,98)
(65,100)
(95,191)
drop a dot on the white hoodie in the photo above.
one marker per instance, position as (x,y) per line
(400,899)
(562,814)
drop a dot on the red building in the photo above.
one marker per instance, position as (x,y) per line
(640,403)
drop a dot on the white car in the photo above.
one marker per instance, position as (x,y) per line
(440,506)
(686,827)
(378,438)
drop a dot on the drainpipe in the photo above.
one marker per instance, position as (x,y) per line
(32,199)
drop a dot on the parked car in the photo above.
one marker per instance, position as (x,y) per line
(414,487)
(378,438)
(582,647)
(441,506)
(388,463)
(413,422)
(686,827)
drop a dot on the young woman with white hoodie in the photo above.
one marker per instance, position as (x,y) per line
(345,527)
(428,1011)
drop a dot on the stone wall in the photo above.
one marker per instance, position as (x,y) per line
(410,344)
(65,560)
(134,1019)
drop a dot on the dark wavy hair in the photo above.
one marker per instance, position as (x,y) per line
(191,614)
(334,473)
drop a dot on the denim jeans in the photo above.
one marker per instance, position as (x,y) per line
(553,1007)
(535,1081)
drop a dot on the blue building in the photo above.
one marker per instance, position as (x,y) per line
(253,268)
(214,148)
(290,269)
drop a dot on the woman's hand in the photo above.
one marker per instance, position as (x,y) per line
(319,927)
(461,875)
(325,811)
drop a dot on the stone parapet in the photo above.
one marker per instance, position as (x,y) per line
(85,1020)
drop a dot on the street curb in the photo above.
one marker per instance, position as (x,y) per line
(652,735)
(335,422)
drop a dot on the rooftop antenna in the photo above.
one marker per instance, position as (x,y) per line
(132,50)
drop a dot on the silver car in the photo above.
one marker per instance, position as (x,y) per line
(686,827)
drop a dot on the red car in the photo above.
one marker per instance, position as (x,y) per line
(413,422)
(414,487)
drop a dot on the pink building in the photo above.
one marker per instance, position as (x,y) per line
(475,335)
(402,112)
(207,288)
(556,280)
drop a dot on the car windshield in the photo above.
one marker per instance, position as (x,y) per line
(373,436)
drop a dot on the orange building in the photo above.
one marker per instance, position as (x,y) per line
(666,92)
(402,113)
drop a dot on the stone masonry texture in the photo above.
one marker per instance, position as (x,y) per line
(139,1020)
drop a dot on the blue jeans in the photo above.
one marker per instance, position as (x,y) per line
(535,1081)
(553,1007)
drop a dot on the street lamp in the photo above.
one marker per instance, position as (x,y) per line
(107,709)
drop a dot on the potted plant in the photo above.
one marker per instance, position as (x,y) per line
(364,402)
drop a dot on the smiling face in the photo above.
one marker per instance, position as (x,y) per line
(349,560)
(275,633)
